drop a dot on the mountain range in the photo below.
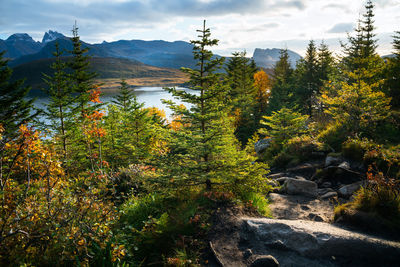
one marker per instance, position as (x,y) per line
(21,48)
(28,56)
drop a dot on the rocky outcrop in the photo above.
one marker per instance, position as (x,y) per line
(300,187)
(307,243)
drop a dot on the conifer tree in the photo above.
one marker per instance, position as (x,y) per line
(282,91)
(15,109)
(124,97)
(392,83)
(205,151)
(360,52)
(307,80)
(81,78)
(58,110)
(242,93)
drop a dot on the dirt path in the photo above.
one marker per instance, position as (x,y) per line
(296,207)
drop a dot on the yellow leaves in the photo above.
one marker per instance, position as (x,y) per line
(263,85)
(81,242)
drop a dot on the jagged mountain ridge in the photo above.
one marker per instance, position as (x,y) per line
(21,48)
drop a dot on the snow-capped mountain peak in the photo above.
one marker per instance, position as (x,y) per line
(51,36)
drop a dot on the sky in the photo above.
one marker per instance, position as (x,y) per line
(238,24)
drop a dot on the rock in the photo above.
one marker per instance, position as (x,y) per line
(337,175)
(265,261)
(323,191)
(281,180)
(261,145)
(331,160)
(344,165)
(326,185)
(273,183)
(329,195)
(300,178)
(318,241)
(247,253)
(305,170)
(300,187)
(347,190)
(277,175)
(315,217)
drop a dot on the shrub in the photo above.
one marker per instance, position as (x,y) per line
(258,202)
(334,135)
(354,149)
(298,149)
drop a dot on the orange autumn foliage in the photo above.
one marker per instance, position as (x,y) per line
(263,85)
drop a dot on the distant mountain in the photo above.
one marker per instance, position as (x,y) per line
(19,44)
(106,68)
(157,53)
(65,44)
(52,36)
(267,58)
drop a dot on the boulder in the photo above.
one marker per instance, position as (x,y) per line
(311,243)
(265,261)
(300,187)
(344,165)
(332,160)
(323,191)
(329,195)
(261,145)
(347,190)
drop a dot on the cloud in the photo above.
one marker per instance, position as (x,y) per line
(257,28)
(343,8)
(341,28)
(101,16)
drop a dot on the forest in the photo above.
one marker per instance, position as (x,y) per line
(123,185)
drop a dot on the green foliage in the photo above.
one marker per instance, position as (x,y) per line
(380,198)
(282,87)
(15,109)
(283,125)
(157,229)
(392,85)
(298,149)
(59,109)
(258,202)
(242,94)
(334,135)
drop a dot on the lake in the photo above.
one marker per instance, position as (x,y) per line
(151,96)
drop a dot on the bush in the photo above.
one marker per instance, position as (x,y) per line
(334,136)
(380,199)
(354,149)
(298,149)
(258,202)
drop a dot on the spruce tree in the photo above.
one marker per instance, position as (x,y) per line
(205,150)
(242,93)
(15,109)
(360,53)
(124,97)
(58,109)
(81,78)
(282,87)
(392,83)
(308,82)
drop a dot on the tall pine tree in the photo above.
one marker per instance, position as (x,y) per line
(282,86)
(205,150)
(58,109)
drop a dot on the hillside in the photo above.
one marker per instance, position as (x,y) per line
(110,71)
